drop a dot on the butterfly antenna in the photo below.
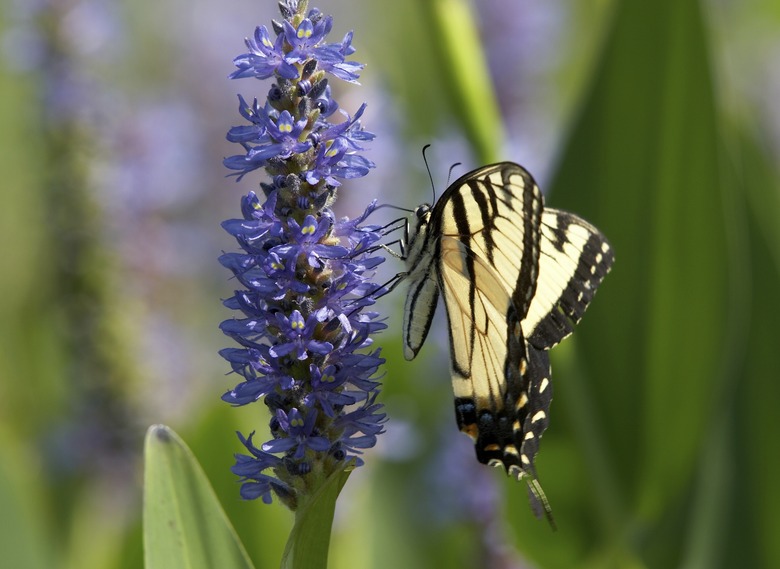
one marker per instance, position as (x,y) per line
(427,167)
(449,175)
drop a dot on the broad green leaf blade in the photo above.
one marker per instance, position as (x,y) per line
(307,547)
(642,164)
(184,524)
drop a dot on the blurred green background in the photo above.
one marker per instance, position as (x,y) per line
(656,121)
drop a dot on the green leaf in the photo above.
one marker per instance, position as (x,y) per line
(307,547)
(184,524)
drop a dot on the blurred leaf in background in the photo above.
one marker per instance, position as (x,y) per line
(655,121)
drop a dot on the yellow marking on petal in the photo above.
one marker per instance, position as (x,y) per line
(308,229)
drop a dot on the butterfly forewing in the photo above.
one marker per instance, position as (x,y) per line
(575,258)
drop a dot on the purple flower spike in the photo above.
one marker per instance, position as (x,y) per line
(304,279)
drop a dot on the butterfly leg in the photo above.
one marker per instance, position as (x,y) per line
(390,285)
(385,246)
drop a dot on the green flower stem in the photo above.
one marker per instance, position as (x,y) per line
(309,541)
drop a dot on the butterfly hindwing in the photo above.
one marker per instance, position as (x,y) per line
(501,383)
(491,371)
(418,312)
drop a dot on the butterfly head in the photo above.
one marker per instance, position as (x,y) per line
(422,216)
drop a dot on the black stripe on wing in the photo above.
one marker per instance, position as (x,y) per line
(464,236)
(532,205)
(420,306)
(481,191)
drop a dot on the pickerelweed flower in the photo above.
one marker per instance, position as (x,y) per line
(305,275)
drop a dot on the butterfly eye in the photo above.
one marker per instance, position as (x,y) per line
(422,211)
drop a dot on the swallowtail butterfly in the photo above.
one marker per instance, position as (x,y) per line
(515,277)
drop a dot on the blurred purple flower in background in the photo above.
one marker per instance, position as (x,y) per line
(303,329)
